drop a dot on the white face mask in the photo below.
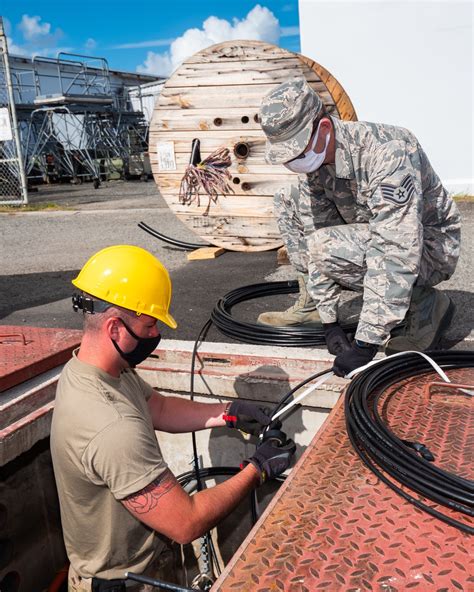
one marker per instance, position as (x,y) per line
(311,161)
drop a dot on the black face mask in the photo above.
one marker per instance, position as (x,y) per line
(141,351)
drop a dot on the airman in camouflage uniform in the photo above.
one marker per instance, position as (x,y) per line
(369,213)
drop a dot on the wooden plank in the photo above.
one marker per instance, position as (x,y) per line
(223,97)
(257,184)
(239,50)
(275,74)
(205,253)
(248,166)
(228,226)
(238,168)
(244,67)
(244,244)
(234,118)
(282,256)
(260,206)
(345,107)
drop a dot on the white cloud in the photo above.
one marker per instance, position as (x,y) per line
(38,38)
(90,43)
(31,27)
(157,64)
(15,49)
(138,44)
(260,24)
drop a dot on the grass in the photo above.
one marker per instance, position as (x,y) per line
(463,197)
(48,206)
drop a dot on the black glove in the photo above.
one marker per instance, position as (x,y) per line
(247,417)
(336,339)
(272,457)
(358,355)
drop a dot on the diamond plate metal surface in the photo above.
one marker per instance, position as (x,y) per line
(334,526)
(26,352)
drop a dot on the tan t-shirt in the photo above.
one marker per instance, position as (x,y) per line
(104,448)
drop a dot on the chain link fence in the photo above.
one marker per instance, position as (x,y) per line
(13,188)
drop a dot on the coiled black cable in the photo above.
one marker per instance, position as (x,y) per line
(171,241)
(384,453)
(265,334)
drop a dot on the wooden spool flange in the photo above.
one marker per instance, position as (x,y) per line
(215,96)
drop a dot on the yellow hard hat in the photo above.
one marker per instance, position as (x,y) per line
(129,277)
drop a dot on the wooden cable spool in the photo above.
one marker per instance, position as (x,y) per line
(215,96)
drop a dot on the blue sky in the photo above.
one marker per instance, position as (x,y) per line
(144,35)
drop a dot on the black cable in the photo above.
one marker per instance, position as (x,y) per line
(171,241)
(200,473)
(285,398)
(157,583)
(197,473)
(265,334)
(384,453)
(202,335)
(210,472)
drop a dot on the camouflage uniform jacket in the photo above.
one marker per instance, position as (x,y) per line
(382,178)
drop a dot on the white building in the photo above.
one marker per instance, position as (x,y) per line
(404,63)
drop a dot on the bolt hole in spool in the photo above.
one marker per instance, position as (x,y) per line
(245,119)
(246,186)
(255,118)
(241,150)
(218,121)
(11,582)
(236,180)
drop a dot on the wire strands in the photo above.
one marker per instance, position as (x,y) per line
(265,334)
(171,241)
(386,454)
(211,177)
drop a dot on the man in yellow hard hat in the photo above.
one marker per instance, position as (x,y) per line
(120,503)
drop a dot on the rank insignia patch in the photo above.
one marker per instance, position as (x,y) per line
(400,194)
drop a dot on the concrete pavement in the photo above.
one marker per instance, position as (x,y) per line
(42,251)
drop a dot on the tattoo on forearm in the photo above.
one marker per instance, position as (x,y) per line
(145,500)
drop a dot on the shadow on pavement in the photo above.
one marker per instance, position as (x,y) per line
(23,291)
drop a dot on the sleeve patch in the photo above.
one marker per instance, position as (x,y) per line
(399,194)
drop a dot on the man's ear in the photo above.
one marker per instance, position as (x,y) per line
(325,124)
(112,327)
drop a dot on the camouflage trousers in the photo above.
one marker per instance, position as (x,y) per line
(335,256)
(164,568)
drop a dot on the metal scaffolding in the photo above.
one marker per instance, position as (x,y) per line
(76,127)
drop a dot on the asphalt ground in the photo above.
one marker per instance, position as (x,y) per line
(41,251)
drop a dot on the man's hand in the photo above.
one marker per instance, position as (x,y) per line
(358,355)
(247,417)
(336,339)
(272,458)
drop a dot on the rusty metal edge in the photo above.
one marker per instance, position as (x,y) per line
(249,538)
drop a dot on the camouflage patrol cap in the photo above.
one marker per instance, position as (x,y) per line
(287,114)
